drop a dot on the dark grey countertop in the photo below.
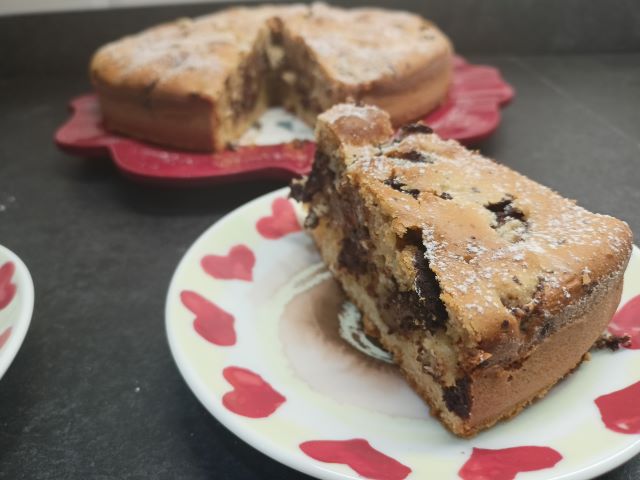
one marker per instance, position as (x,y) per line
(93,392)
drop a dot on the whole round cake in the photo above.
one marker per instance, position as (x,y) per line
(198,84)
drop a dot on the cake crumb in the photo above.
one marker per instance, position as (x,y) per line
(612,342)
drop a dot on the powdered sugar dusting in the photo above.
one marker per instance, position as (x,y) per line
(344,110)
(353,53)
(212,45)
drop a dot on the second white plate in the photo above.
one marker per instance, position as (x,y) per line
(251,322)
(16,305)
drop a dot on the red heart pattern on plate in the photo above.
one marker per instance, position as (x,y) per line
(358,454)
(506,463)
(620,410)
(251,396)
(626,321)
(7,288)
(211,322)
(237,264)
(281,222)
(5,336)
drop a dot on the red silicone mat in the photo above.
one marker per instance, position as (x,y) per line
(470,113)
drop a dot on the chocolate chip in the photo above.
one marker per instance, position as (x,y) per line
(353,257)
(413,156)
(445,196)
(394,183)
(412,237)
(397,185)
(505,211)
(413,192)
(296,189)
(427,286)
(421,308)
(457,398)
(414,128)
(319,179)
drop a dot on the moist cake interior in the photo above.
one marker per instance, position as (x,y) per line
(368,252)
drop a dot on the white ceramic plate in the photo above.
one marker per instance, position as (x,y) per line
(251,321)
(16,305)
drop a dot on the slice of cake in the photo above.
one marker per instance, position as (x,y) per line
(486,287)
(200,83)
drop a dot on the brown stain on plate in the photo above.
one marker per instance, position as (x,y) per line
(309,332)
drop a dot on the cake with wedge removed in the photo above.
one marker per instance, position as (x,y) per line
(487,287)
(198,84)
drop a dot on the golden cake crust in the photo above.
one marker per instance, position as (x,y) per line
(149,83)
